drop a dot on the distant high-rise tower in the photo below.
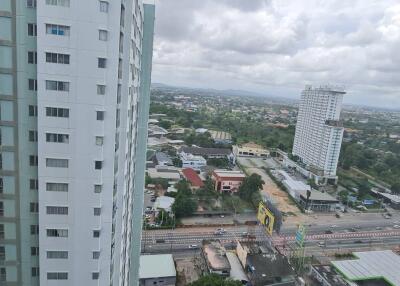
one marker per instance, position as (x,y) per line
(74,92)
(319,131)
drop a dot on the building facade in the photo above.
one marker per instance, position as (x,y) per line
(192,161)
(227,181)
(72,99)
(319,131)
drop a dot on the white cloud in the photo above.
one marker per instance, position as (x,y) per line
(277,46)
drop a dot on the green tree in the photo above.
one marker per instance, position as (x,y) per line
(215,280)
(363,189)
(185,203)
(396,188)
(250,185)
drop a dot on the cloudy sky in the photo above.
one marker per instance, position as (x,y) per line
(275,47)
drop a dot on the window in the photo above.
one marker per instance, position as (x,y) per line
(33,111)
(32,84)
(96,254)
(1,185)
(3,274)
(99,140)
(103,6)
(56,163)
(57,112)
(98,165)
(95,275)
(64,3)
(57,187)
(57,58)
(2,231)
(52,210)
(103,35)
(96,211)
(57,275)
(1,208)
(57,254)
(97,188)
(32,29)
(35,271)
(59,30)
(100,115)
(57,85)
(33,160)
(34,207)
(53,232)
(34,229)
(2,253)
(31,3)
(101,63)
(33,184)
(33,136)
(32,57)
(96,233)
(34,251)
(57,138)
(101,89)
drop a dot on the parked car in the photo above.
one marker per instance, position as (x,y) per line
(193,246)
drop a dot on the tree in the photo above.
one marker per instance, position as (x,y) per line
(396,188)
(215,280)
(249,186)
(184,204)
(363,189)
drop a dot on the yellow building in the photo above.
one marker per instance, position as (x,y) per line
(250,149)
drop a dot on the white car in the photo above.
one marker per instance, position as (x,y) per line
(334,226)
(396,226)
(193,246)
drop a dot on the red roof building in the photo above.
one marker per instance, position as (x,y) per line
(192,177)
(227,181)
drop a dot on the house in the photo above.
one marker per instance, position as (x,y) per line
(163,203)
(162,159)
(221,137)
(208,152)
(249,150)
(169,173)
(157,269)
(215,256)
(192,161)
(190,175)
(201,130)
(156,131)
(227,181)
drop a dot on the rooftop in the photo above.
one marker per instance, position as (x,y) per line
(220,135)
(189,157)
(237,272)
(163,158)
(161,173)
(164,202)
(153,266)
(192,177)
(215,255)
(229,174)
(251,145)
(317,196)
(206,151)
(371,265)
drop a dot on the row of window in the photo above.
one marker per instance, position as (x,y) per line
(51,210)
(53,187)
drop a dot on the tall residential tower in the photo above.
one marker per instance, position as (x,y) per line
(319,131)
(74,88)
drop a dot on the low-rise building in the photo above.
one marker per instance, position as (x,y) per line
(163,203)
(193,178)
(156,131)
(227,181)
(326,275)
(215,257)
(249,150)
(221,137)
(208,152)
(169,173)
(192,161)
(162,159)
(157,270)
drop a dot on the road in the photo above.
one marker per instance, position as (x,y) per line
(179,239)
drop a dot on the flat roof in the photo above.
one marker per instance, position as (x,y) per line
(227,173)
(237,272)
(153,266)
(317,196)
(215,254)
(383,264)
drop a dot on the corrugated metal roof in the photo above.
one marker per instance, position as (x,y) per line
(371,264)
(153,266)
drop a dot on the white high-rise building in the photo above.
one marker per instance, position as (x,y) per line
(74,99)
(319,131)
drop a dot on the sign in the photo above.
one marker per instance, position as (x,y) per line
(266,217)
(300,235)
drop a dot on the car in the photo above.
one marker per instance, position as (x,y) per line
(221,230)
(193,246)
(396,226)
(222,216)
(378,228)
(218,232)
(353,229)
(334,226)
(321,243)
(152,200)
(245,234)
(328,231)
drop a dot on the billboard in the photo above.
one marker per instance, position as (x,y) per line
(300,235)
(266,217)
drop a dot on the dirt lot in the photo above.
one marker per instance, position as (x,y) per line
(187,269)
(279,197)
